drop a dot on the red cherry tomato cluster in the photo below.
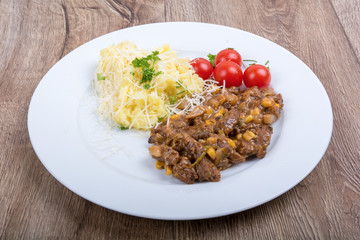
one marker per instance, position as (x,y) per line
(228,68)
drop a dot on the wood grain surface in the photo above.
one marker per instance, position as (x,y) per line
(35,34)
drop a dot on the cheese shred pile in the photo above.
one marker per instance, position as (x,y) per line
(123,100)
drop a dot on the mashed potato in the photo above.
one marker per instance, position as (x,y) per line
(125,101)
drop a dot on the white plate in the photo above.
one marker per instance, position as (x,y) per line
(112,168)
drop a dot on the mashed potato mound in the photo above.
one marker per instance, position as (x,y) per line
(121,97)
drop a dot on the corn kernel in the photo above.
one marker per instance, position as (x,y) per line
(242,105)
(210,121)
(242,115)
(222,111)
(176,116)
(248,135)
(211,141)
(218,115)
(209,110)
(249,118)
(159,165)
(168,170)
(278,105)
(211,152)
(255,111)
(269,118)
(258,119)
(231,143)
(239,136)
(266,102)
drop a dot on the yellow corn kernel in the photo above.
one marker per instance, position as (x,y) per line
(255,111)
(248,135)
(209,110)
(249,118)
(239,136)
(211,152)
(278,105)
(266,102)
(242,115)
(269,118)
(159,165)
(210,121)
(222,111)
(231,143)
(176,116)
(168,170)
(218,115)
(258,119)
(211,141)
(242,105)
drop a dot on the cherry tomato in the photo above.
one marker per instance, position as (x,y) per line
(257,75)
(229,72)
(202,67)
(228,55)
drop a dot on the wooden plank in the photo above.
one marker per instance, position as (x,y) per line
(348,13)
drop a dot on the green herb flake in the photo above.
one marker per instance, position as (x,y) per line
(122,127)
(172,100)
(147,86)
(100,76)
(211,58)
(247,60)
(162,118)
(147,66)
(230,48)
(267,62)
(180,92)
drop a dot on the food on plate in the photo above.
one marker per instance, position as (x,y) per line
(228,73)
(257,75)
(202,67)
(228,54)
(227,67)
(230,126)
(201,121)
(137,87)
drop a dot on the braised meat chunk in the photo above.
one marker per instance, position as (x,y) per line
(229,127)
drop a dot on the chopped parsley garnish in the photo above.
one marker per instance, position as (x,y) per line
(180,92)
(230,48)
(122,127)
(100,77)
(180,85)
(162,118)
(147,66)
(211,58)
(172,99)
(267,62)
(147,86)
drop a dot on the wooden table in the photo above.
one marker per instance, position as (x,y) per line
(35,34)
